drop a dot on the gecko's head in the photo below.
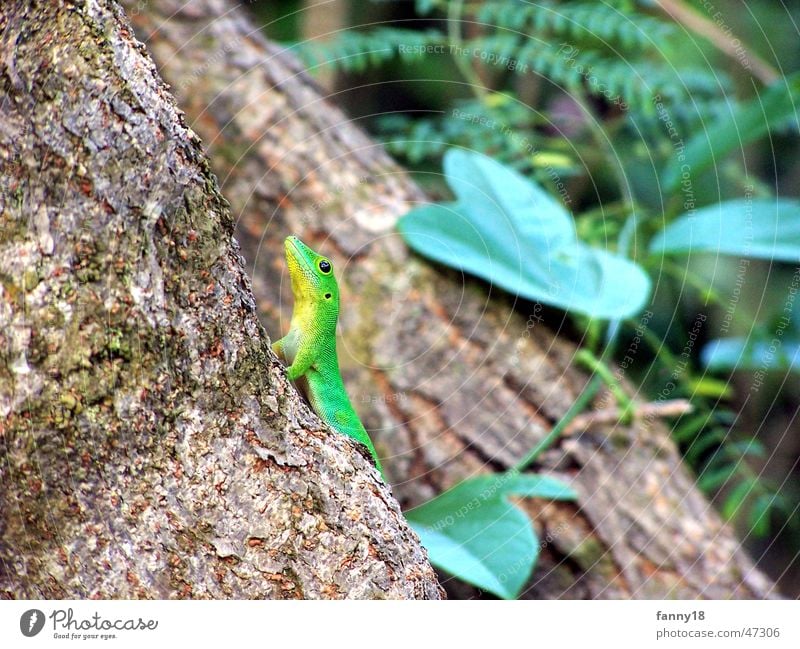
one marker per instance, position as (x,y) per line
(313,283)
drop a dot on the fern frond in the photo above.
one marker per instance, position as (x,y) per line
(634,82)
(505,132)
(355,51)
(586,20)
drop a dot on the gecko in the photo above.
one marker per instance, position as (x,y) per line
(310,346)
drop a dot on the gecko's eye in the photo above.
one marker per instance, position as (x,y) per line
(324,266)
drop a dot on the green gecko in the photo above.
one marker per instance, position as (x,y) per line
(310,345)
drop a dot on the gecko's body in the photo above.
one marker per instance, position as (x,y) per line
(310,345)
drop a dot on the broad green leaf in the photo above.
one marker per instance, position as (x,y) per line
(535,486)
(493,548)
(474,533)
(762,228)
(730,354)
(772,109)
(515,209)
(450,554)
(507,230)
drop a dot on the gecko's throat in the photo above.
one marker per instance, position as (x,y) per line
(304,281)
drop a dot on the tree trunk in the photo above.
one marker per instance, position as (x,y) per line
(150,445)
(450,377)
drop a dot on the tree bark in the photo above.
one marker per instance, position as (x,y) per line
(453,378)
(150,445)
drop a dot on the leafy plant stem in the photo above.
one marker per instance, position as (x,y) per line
(626,237)
(578,406)
(592,334)
(476,86)
(601,369)
(656,343)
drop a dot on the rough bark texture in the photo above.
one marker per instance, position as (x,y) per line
(452,380)
(150,445)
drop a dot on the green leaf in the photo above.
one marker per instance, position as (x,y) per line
(713,479)
(507,230)
(736,498)
(449,553)
(686,429)
(759,517)
(535,486)
(707,386)
(474,533)
(704,442)
(750,446)
(772,109)
(731,354)
(762,228)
